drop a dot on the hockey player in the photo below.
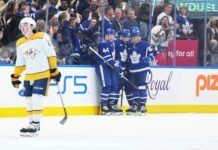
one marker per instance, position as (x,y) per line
(120,58)
(37,57)
(106,49)
(139,57)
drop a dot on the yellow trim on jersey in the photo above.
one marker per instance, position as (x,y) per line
(37,76)
(18,70)
(38,35)
(52,62)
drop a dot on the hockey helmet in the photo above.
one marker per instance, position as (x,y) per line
(29,21)
(125,33)
(135,31)
(110,31)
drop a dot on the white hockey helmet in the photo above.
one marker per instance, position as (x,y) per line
(29,21)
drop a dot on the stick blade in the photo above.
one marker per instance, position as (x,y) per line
(63,121)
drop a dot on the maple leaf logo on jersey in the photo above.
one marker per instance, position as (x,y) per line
(135,57)
(123,55)
(187,26)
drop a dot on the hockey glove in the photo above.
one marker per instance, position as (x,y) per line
(117,67)
(158,48)
(147,60)
(14,80)
(55,74)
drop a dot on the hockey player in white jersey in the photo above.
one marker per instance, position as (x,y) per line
(35,55)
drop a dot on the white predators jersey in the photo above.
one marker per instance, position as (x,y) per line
(33,53)
(162,38)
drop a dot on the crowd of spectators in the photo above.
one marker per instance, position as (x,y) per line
(75,25)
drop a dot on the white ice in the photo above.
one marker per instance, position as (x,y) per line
(151,132)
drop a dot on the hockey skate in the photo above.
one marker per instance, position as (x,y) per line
(131,110)
(105,110)
(115,110)
(31,130)
(141,110)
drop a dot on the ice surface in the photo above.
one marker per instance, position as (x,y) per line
(151,132)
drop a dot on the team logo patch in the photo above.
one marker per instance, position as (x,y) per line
(135,57)
(123,55)
(31,53)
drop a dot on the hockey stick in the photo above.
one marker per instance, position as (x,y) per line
(121,100)
(122,76)
(64,108)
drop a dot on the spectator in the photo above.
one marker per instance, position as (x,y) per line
(102,5)
(124,7)
(93,9)
(213,34)
(157,10)
(10,22)
(91,37)
(82,5)
(143,18)
(160,34)
(53,33)
(24,9)
(4,57)
(130,20)
(74,27)
(4,52)
(64,5)
(168,7)
(117,22)
(105,22)
(184,22)
(64,37)
(34,5)
(91,32)
(40,26)
(102,2)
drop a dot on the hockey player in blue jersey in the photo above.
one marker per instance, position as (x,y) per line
(120,59)
(122,45)
(106,49)
(139,57)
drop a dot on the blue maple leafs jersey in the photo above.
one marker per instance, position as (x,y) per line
(121,52)
(107,24)
(107,50)
(137,53)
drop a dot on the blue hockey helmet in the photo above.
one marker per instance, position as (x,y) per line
(110,31)
(135,31)
(125,33)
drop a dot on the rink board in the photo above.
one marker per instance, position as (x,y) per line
(171,90)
